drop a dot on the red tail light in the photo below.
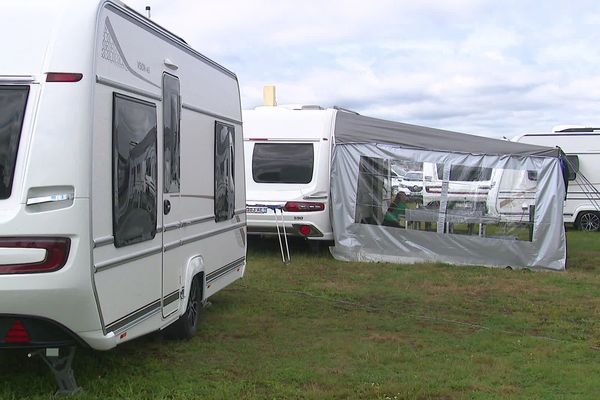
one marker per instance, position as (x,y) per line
(17,334)
(63,77)
(303,206)
(304,230)
(57,252)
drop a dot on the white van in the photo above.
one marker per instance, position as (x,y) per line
(582,148)
(122,199)
(288,160)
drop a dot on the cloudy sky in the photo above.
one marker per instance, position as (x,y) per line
(495,68)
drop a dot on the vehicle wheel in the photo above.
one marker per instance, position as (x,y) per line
(588,221)
(187,324)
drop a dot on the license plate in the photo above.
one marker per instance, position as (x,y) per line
(256,210)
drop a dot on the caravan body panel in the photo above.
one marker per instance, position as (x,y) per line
(49,195)
(95,164)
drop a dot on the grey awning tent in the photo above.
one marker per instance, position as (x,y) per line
(406,193)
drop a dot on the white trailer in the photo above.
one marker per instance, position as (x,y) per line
(288,161)
(582,148)
(122,196)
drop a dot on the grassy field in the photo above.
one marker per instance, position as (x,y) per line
(323,329)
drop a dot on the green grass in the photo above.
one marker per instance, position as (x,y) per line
(323,329)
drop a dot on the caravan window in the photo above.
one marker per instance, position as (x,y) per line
(134,170)
(171,120)
(283,162)
(224,171)
(12,110)
(573,166)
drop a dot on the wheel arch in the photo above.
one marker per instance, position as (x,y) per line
(195,267)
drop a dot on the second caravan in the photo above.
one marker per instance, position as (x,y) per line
(582,148)
(288,157)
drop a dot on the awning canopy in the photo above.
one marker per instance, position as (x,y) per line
(354,128)
(405,193)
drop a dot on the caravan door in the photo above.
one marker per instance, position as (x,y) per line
(171,209)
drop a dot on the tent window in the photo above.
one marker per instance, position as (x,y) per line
(134,170)
(407,194)
(370,197)
(283,163)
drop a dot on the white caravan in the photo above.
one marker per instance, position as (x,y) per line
(288,160)
(582,147)
(468,186)
(122,199)
(512,195)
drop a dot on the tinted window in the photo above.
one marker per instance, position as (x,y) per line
(573,166)
(12,110)
(282,162)
(171,133)
(134,170)
(224,171)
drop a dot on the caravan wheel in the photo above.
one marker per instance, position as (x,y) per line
(187,324)
(588,221)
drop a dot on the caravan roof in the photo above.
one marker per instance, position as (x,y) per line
(288,123)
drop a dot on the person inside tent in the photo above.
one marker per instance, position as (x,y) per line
(396,211)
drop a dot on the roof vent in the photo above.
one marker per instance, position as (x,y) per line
(269,96)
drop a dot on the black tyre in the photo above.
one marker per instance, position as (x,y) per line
(187,324)
(588,221)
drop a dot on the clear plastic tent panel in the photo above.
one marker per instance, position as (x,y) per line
(456,199)
(406,205)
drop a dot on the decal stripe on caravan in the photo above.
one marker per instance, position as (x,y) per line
(161,33)
(141,314)
(171,298)
(115,262)
(224,270)
(107,240)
